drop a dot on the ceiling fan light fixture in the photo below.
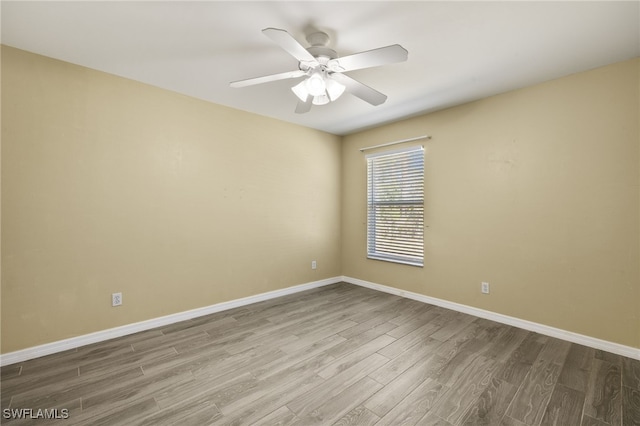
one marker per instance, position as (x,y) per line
(301,91)
(332,89)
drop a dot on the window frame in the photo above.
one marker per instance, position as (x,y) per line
(409,178)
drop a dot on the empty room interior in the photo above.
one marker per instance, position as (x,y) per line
(320,212)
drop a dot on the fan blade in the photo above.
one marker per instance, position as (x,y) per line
(291,45)
(303,107)
(370,58)
(360,90)
(268,78)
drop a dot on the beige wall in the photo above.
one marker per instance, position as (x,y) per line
(534,191)
(111,185)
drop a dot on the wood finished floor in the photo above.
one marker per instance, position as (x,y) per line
(337,355)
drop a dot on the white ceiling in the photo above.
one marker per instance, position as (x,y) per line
(458,51)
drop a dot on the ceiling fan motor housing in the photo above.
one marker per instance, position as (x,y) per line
(318,38)
(322,52)
(318,49)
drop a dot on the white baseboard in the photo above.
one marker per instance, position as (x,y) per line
(581,339)
(100,336)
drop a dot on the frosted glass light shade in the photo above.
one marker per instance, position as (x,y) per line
(301,91)
(321,100)
(316,85)
(334,89)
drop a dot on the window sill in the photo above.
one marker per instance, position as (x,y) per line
(396,260)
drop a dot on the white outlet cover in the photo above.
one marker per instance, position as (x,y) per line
(116,299)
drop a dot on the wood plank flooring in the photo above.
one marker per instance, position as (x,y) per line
(336,355)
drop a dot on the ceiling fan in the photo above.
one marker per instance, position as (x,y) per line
(323,69)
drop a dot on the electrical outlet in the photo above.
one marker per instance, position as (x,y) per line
(314,265)
(484,288)
(116,299)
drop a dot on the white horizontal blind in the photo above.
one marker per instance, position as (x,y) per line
(395,222)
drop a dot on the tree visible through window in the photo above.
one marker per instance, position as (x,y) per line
(395,193)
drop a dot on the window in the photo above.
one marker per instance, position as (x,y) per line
(395,212)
